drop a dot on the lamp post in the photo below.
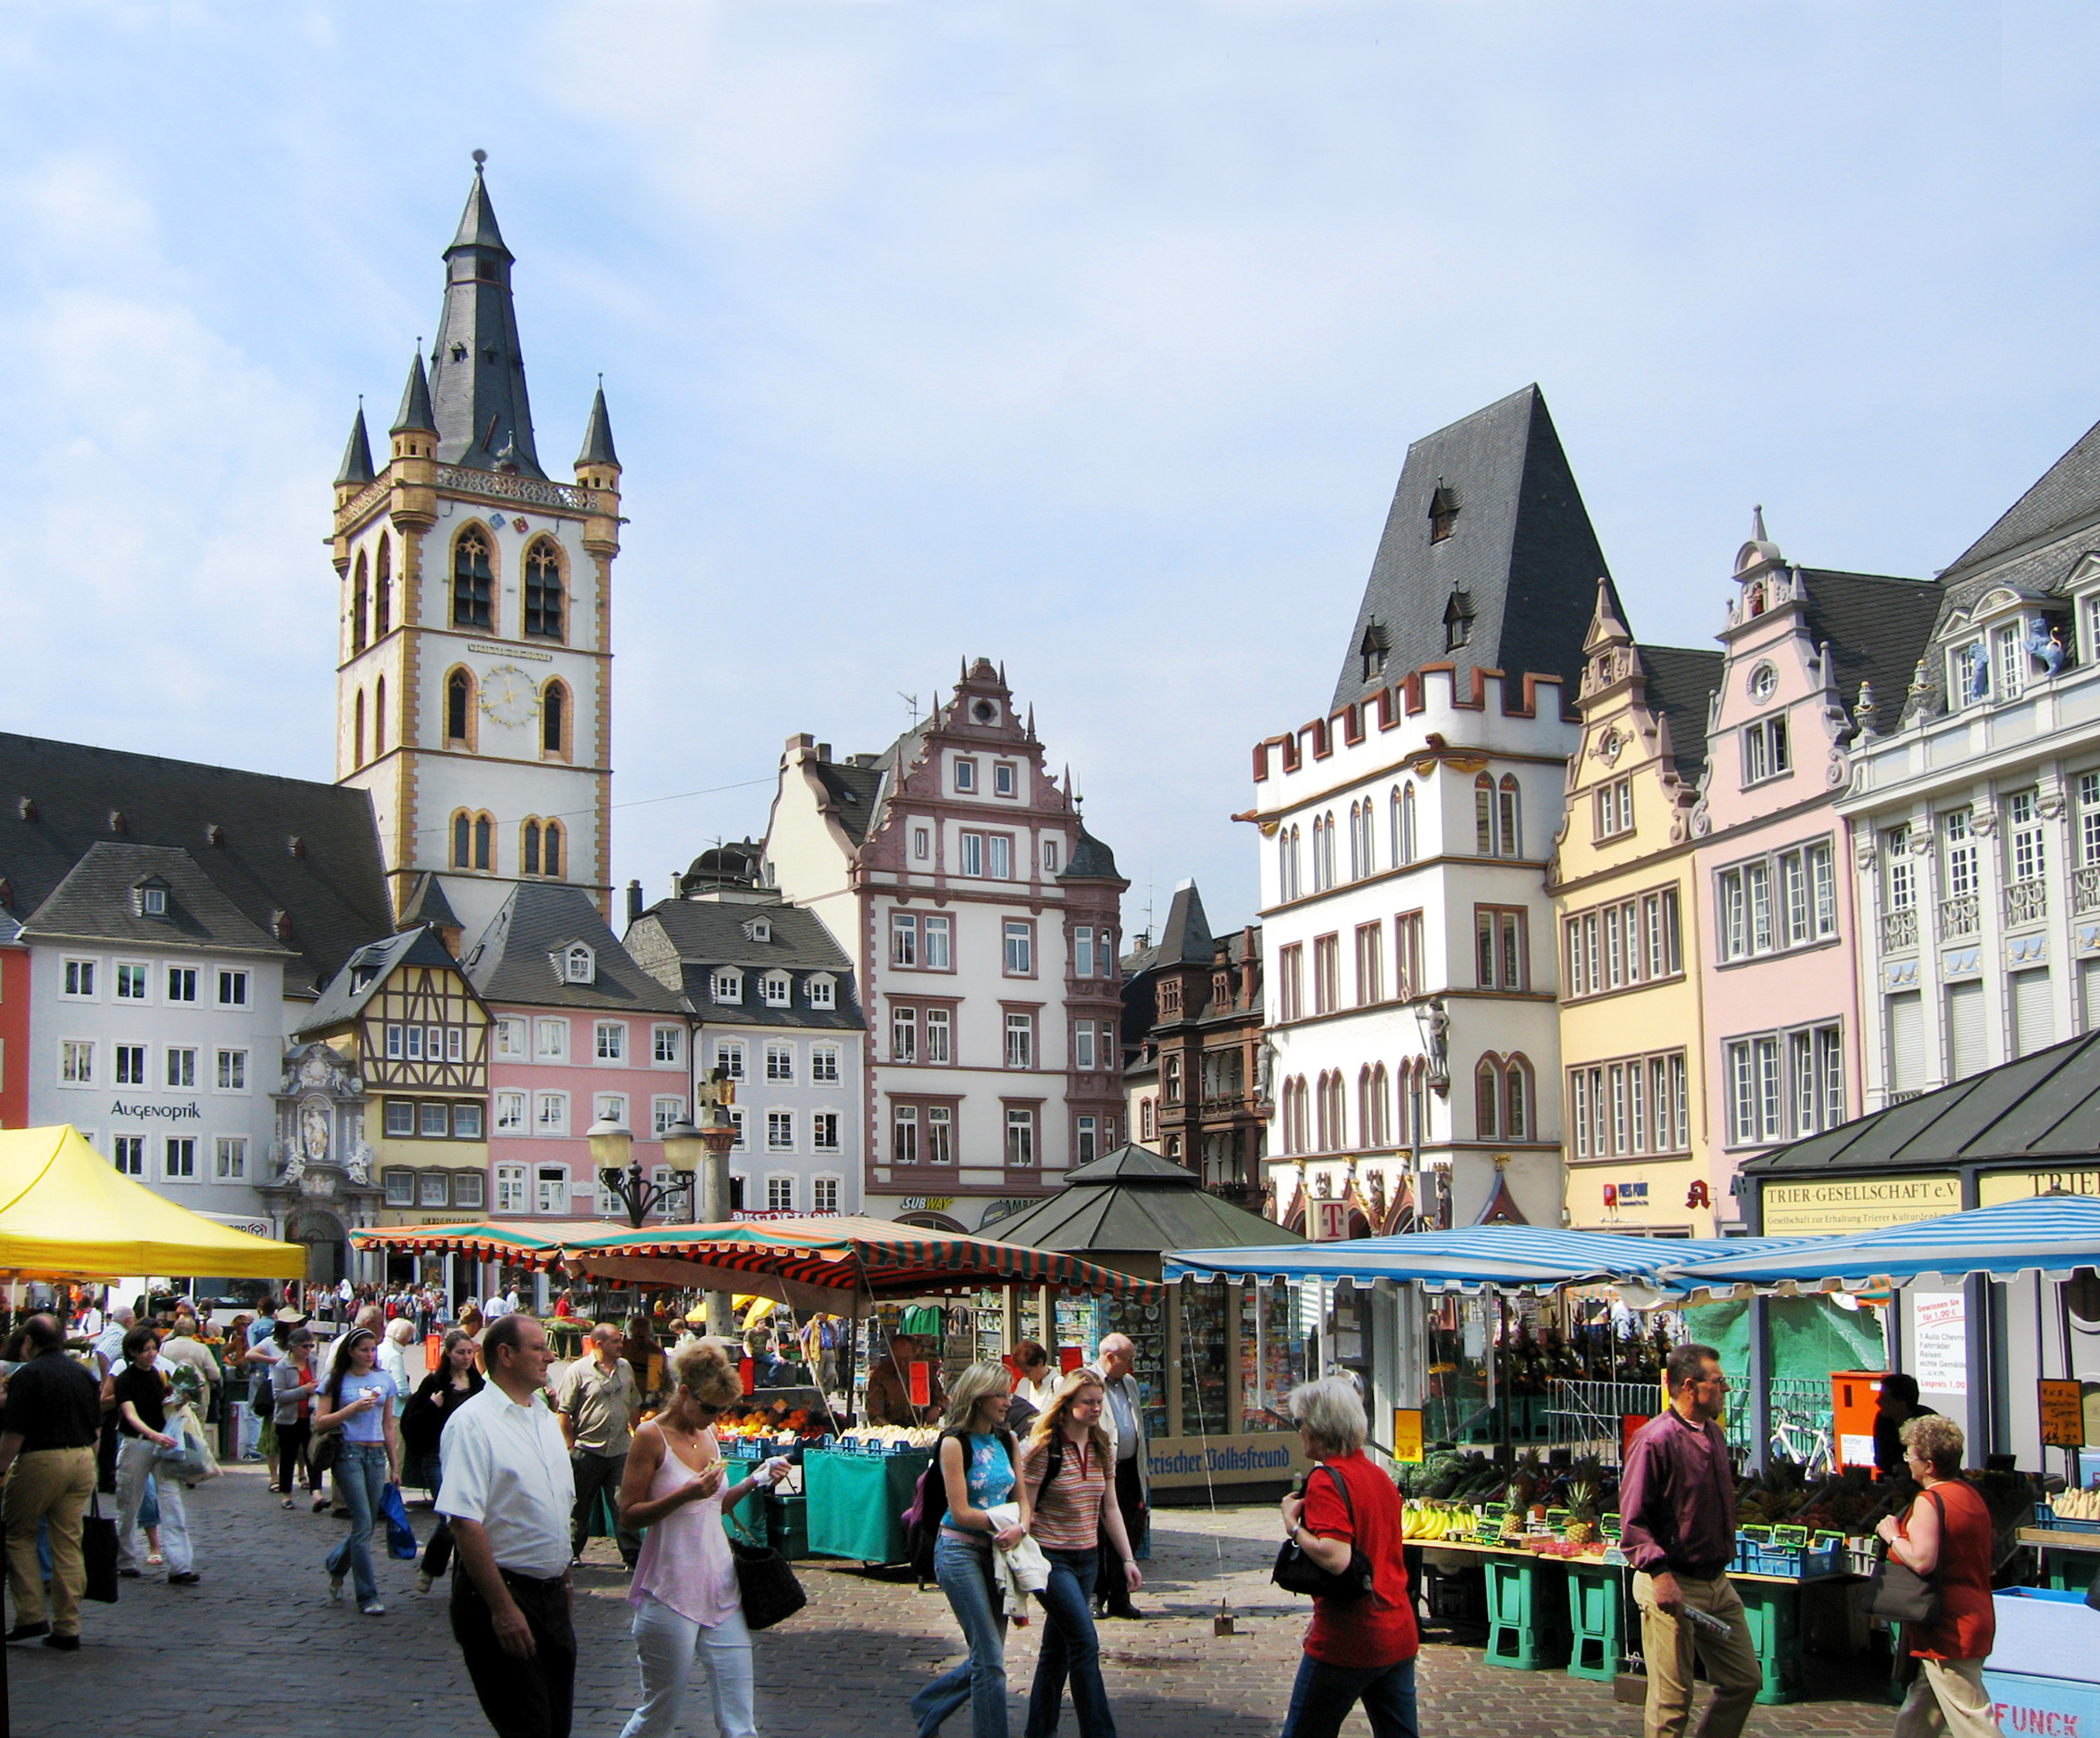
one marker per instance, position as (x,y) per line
(715,1136)
(620,1172)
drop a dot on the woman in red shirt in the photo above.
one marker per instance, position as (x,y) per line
(1946,1535)
(1362,1650)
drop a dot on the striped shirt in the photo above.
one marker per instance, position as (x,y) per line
(1068,1511)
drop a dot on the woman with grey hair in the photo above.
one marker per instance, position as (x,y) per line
(1359,1649)
(1946,1535)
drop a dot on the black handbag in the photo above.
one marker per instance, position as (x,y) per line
(1899,1592)
(766,1584)
(99,1551)
(1297,1573)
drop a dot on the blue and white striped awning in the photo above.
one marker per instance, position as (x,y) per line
(2048,1235)
(1511,1257)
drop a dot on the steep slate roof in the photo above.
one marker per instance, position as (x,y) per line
(1134,1200)
(1680,683)
(477,365)
(1186,939)
(1091,861)
(1521,551)
(97,902)
(429,905)
(365,971)
(335,894)
(597,434)
(853,788)
(357,467)
(705,934)
(1877,628)
(515,958)
(2042,1107)
(2067,495)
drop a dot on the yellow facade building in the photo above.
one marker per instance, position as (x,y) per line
(1627,907)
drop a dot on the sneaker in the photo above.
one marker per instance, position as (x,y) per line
(424,1584)
(334,1590)
(64,1644)
(372,1608)
(184,1578)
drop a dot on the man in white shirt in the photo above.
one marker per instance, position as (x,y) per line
(495,1306)
(1124,1419)
(509,1491)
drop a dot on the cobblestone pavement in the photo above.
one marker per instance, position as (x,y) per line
(257,1649)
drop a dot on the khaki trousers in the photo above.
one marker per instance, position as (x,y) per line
(52,1485)
(1948,1698)
(1669,1645)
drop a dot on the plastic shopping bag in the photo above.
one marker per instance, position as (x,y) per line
(400,1536)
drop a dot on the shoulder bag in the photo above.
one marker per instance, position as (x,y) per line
(766,1585)
(98,1549)
(1900,1593)
(1297,1573)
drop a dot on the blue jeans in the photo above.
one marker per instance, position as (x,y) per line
(360,1476)
(964,1572)
(1323,1695)
(1071,1645)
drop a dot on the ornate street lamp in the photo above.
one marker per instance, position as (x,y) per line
(620,1172)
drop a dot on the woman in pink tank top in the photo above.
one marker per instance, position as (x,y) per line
(684,1593)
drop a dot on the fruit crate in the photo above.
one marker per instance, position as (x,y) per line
(2047,1515)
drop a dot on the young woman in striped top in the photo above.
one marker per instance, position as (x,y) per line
(1071,1470)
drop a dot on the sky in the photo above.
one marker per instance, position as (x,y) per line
(1086,337)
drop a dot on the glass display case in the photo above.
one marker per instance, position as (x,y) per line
(1202,1367)
(1273,1356)
(1146,1325)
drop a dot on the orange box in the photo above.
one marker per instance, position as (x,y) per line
(1855,1399)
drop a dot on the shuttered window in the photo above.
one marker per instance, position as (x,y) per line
(1967,1049)
(1907,1042)
(2089,994)
(2033,1022)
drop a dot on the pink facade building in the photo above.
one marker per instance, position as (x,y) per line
(1806,652)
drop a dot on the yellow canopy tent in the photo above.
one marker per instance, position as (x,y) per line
(65,1214)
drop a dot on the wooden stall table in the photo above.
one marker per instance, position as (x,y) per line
(2069,1560)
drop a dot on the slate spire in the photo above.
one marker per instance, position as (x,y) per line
(597,435)
(483,419)
(414,416)
(357,467)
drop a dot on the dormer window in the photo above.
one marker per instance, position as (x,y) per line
(152,897)
(823,992)
(578,963)
(1443,514)
(776,988)
(758,930)
(726,986)
(1457,621)
(1372,649)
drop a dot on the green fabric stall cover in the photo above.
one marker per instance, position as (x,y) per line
(1811,1337)
(856,1502)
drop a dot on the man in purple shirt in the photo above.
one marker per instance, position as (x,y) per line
(1677,1509)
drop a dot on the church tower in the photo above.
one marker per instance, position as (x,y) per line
(473,688)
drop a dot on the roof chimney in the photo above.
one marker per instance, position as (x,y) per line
(823,751)
(634,902)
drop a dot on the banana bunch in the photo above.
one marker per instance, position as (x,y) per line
(1430,1521)
(2076,1504)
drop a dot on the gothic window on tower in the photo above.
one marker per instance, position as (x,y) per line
(357,742)
(460,709)
(540,847)
(378,718)
(554,721)
(473,841)
(473,579)
(543,589)
(382,611)
(359,601)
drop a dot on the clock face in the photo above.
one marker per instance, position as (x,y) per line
(509,696)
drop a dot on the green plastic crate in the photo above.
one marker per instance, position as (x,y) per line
(787,1525)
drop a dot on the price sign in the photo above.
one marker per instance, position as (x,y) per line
(2063,1414)
(1629,1427)
(921,1379)
(1407,1434)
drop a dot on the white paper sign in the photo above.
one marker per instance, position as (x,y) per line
(1938,1330)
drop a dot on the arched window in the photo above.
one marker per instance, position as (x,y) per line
(529,848)
(460,709)
(1288,863)
(1509,821)
(473,579)
(1318,846)
(554,719)
(357,735)
(543,589)
(1487,1101)
(1337,1112)
(462,840)
(378,718)
(358,604)
(550,848)
(1356,847)
(1517,1100)
(1404,824)
(1381,1105)
(1371,1104)
(484,842)
(1484,816)
(383,587)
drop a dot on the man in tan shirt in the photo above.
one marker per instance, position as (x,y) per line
(599,1401)
(888,1386)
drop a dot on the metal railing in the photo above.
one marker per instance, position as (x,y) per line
(1800,1411)
(1961,916)
(2027,902)
(1591,1415)
(1899,930)
(506,486)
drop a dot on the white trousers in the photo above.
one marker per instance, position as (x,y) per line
(666,1646)
(1948,1698)
(134,1463)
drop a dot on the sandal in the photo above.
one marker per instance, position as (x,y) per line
(285,1503)
(153,1560)
(320,1502)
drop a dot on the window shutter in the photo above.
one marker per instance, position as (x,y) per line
(2089,994)
(1966,1048)
(2034,1020)
(1907,1042)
